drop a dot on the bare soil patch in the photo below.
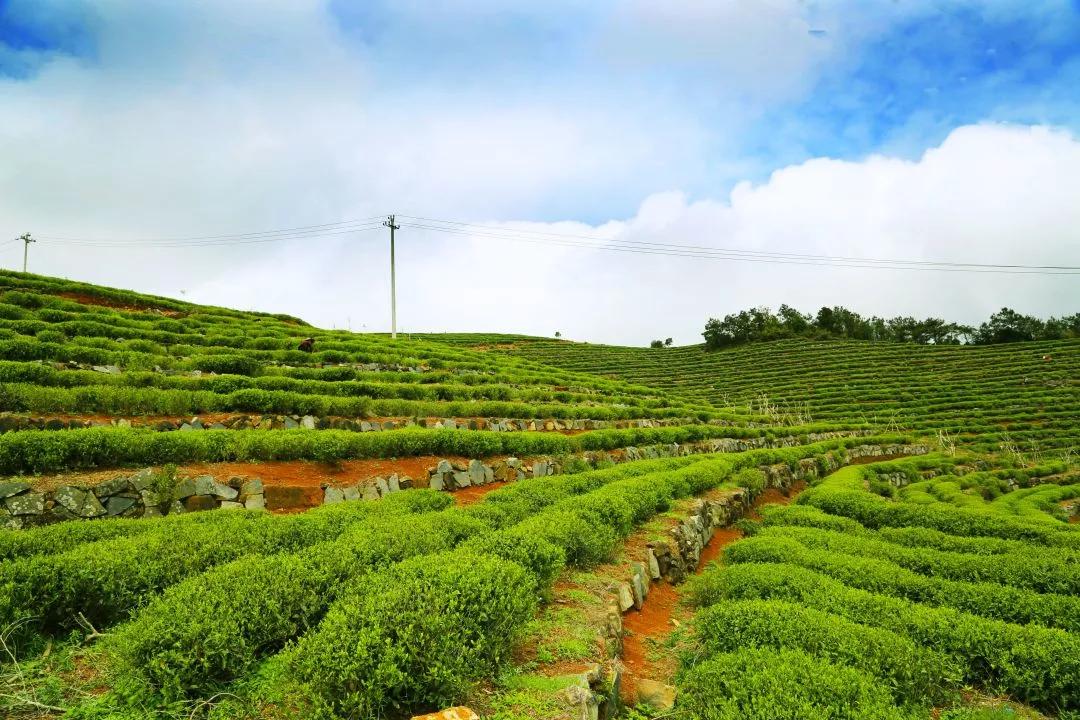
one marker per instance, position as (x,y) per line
(85,299)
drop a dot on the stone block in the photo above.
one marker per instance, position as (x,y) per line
(333,495)
(197,503)
(7,489)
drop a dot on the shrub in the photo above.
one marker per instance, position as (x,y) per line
(416,634)
(760,684)
(913,673)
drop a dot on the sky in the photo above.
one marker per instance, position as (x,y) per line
(925,130)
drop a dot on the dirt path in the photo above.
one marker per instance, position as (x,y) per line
(648,630)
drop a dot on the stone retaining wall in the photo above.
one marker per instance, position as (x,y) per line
(12,422)
(675,559)
(146,494)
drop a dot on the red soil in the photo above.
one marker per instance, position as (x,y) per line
(470,495)
(661,612)
(653,622)
(773,496)
(721,539)
(304,473)
(105,302)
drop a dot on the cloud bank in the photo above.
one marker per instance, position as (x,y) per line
(682,125)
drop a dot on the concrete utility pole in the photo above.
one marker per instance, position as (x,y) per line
(25,237)
(393,281)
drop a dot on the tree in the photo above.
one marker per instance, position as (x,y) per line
(558,334)
(667,342)
(656,344)
(795,322)
(1007,325)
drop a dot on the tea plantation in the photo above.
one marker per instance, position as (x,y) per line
(929,569)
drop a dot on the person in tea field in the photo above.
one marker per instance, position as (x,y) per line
(307,345)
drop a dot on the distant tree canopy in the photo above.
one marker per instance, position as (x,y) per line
(761,323)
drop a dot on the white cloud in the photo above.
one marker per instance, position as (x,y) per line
(277,121)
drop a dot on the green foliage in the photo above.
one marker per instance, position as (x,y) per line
(914,674)
(1035,664)
(760,684)
(760,323)
(416,634)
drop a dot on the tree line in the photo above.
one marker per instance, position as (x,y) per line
(761,323)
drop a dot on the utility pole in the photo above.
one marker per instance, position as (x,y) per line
(25,237)
(393,282)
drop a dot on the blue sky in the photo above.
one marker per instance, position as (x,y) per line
(884,80)
(126,118)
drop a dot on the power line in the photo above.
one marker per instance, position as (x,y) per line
(121,243)
(366,220)
(712,249)
(542,237)
(779,258)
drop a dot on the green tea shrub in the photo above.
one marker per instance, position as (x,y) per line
(987,599)
(914,674)
(762,684)
(416,634)
(1038,665)
(227,364)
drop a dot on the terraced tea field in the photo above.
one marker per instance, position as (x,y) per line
(1026,394)
(204,520)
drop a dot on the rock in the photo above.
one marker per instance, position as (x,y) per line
(7,489)
(333,495)
(176,508)
(118,505)
(151,511)
(381,486)
(206,485)
(392,483)
(143,479)
(31,503)
(370,492)
(307,422)
(231,505)
(435,482)
(540,468)
(583,702)
(656,695)
(218,426)
(79,502)
(255,502)
(197,424)
(654,566)
(639,584)
(185,427)
(462,479)
(196,503)
(290,424)
(477,476)
(454,713)
(150,498)
(253,486)
(111,487)
(444,467)
(626,597)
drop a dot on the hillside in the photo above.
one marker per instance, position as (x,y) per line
(393,527)
(1027,394)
